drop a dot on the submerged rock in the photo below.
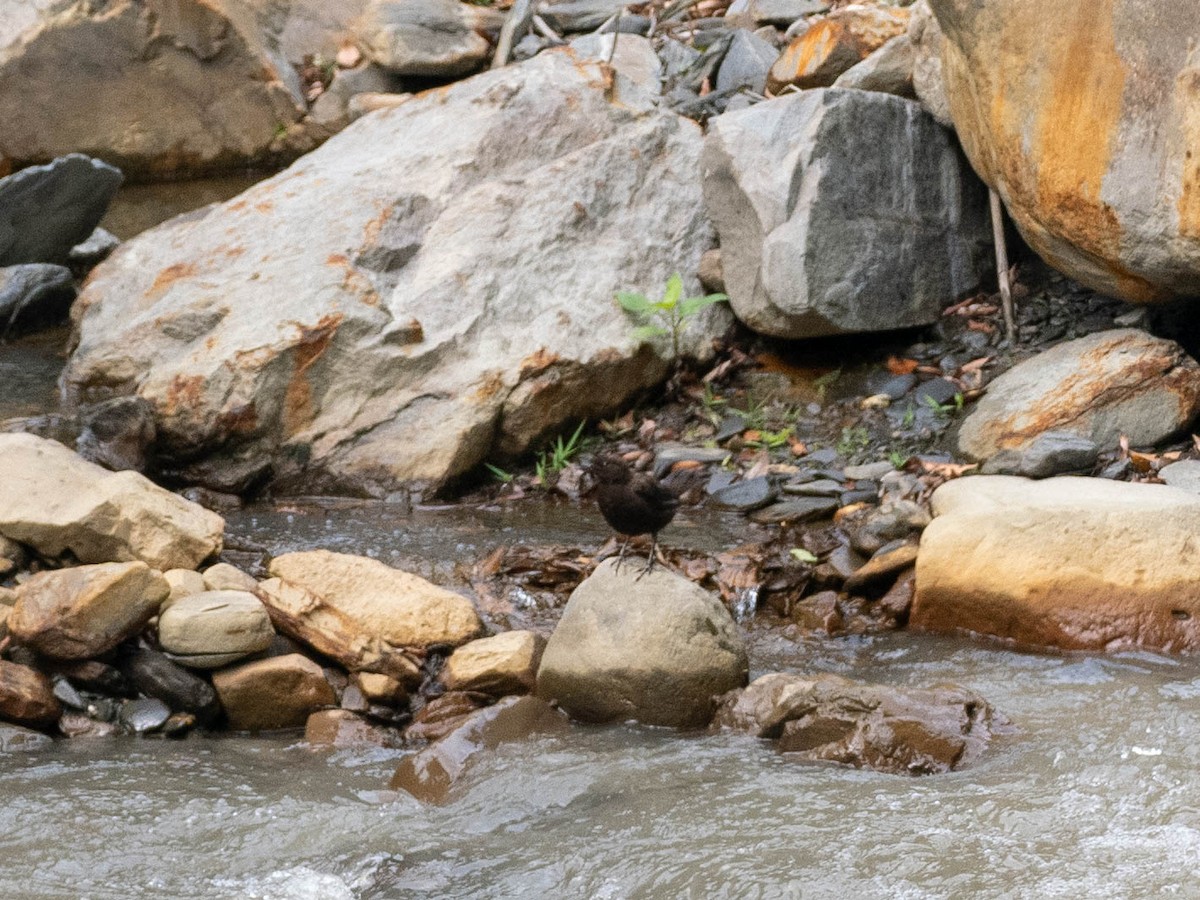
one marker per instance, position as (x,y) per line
(842,211)
(373,349)
(1071,563)
(825,718)
(657,649)
(430,774)
(1108,384)
(342,728)
(280,692)
(84,611)
(54,501)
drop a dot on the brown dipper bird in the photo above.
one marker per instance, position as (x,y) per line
(632,503)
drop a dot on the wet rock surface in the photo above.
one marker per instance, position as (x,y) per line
(269,694)
(27,697)
(503,664)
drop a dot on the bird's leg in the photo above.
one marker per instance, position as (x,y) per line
(621,554)
(650,561)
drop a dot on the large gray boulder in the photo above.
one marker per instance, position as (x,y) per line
(1083,116)
(1108,384)
(1069,563)
(432,38)
(433,285)
(842,211)
(158,88)
(47,210)
(658,649)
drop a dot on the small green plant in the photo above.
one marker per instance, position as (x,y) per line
(771,440)
(558,456)
(910,416)
(801,555)
(853,441)
(944,410)
(898,458)
(499,474)
(667,317)
(754,414)
(826,381)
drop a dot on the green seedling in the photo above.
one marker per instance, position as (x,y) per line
(801,555)
(667,317)
(499,474)
(771,440)
(853,440)
(559,455)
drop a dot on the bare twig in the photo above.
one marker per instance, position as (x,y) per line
(616,33)
(539,25)
(1010,327)
(517,23)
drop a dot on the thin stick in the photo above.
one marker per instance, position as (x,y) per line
(1010,326)
(517,21)
(616,33)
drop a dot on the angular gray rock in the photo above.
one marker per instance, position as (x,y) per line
(34,292)
(746,63)
(925,36)
(1108,384)
(156,88)
(579,15)
(439,38)
(1184,475)
(456,300)
(657,649)
(46,210)
(842,211)
(888,70)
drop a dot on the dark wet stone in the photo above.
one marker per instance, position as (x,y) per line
(887,561)
(34,294)
(822,457)
(1006,462)
(97,247)
(897,386)
(720,478)
(844,561)
(822,487)
(179,725)
(156,676)
(67,694)
(117,433)
(667,455)
(859,496)
(938,390)
(747,495)
(801,509)
(868,471)
(730,426)
(1115,469)
(144,714)
(1056,452)
(98,677)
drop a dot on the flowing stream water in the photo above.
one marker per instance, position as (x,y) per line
(1094,795)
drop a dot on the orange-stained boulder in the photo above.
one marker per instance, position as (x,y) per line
(818,56)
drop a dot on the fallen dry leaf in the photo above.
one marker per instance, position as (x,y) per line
(899,366)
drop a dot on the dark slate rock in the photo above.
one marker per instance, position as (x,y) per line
(66,693)
(144,714)
(667,455)
(97,247)
(580,15)
(801,509)
(822,457)
(721,478)
(747,495)
(938,390)
(1055,452)
(897,386)
(783,13)
(730,426)
(746,64)
(859,495)
(1006,462)
(156,676)
(628,24)
(34,293)
(47,210)
(117,433)
(822,487)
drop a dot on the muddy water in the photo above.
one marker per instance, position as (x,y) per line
(1095,795)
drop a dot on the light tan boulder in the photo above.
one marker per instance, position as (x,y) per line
(55,501)
(82,612)
(1085,117)
(280,692)
(224,577)
(658,649)
(184,583)
(504,664)
(1070,563)
(214,628)
(1108,384)
(378,688)
(27,697)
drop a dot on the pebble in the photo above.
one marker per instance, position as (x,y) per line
(868,471)
(144,714)
(800,509)
(720,479)
(821,488)
(897,386)
(730,426)
(937,390)
(666,455)
(747,495)
(887,560)
(66,693)
(1184,474)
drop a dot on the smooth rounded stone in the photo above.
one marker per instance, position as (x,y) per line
(27,696)
(381,688)
(1104,188)
(144,714)
(268,694)
(746,63)
(1071,563)
(427,38)
(667,455)
(1184,475)
(746,495)
(887,562)
(937,390)
(868,471)
(15,739)
(46,210)
(825,198)
(224,577)
(85,611)
(431,774)
(214,628)
(34,293)
(399,608)
(815,58)
(652,647)
(888,69)
(1057,452)
(1108,384)
(903,731)
(154,675)
(399,196)
(821,487)
(712,279)
(99,245)
(183,583)
(799,509)
(54,501)
(504,664)
(117,434)
(896,387)
(342,728)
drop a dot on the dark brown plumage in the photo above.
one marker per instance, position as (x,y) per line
(632,503)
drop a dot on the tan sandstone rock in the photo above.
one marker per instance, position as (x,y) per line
(26,696)
(833,45)
(504,664)
(82,612)
(1072,563)
(55,501)
(224,577)
(214,628)
(280,692)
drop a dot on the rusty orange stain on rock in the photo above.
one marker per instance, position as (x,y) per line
(240,421)
(537,362)
(310,346)
(184,392)
(491,385)
(264,206)
(353,281)
(1187,101)
(168,276)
